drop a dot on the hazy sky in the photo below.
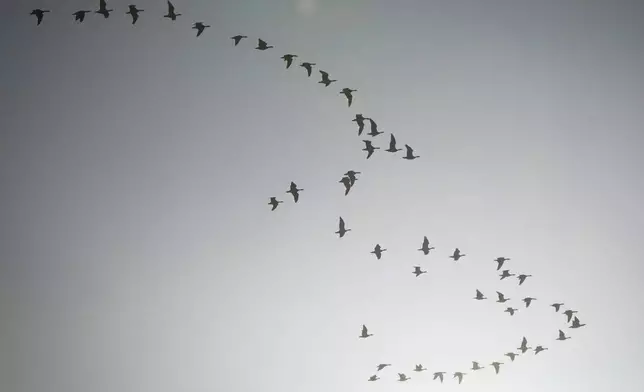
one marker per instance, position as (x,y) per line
(137,251)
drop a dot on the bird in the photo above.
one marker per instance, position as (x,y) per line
(539,349)
(392,144)
(352,176)
(460,376)
(200,27)
(576,324)
(500,261)
(562,336)
(528,301)
(510,310)
(374,129)
(439,375)
(308,67)
(403,377)
(289,59)
(360,121)
(238,38)
(171,14)
(79,16)
(425,248)
(502,298)
(419,368)
(364,333)
(341,230)
(511,356)
(369,148)
(373,378)
(134,12)
(295,191)
(457,254)
(325,79)
(479,295)
(557,306)
(39,15)
(410,153)
(262,45)
(347,184)
(522,278)
(497,366)
(383,365)
(418,272)
(378,251)
(569,314)
(506,274)
(347,93)
(102,9)
(475,366)
(524,346)
(274,202)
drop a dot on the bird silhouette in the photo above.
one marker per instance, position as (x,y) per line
(522,278)
(134,12)
(171,14)
(403,377)
(502,298)
(439,375)
(524,346)
(374,129)
(383,365)
(79,16)
(347,184)
(352,176)
(562,336)
(506,274)
(308,67)
(293,189)
(511,356)
(325,79)
(497,366)
(378,251)
(457,254)
(289,59)
(348,93)
(479,295)
(459,375)
(418,272)
(510,310)
(360,121)
(576,324)
(557,306)
(262,45)
(419,368)
(569,314)
(410,153)
(539,349)
(102,9)
(200,27)
(364,333)
(341,230)
(475,366)
(373,378)
(274,202)
(392,144)
(528,301)
(425,248)
(238,38)
(500,261)
(369,148)
(39,15)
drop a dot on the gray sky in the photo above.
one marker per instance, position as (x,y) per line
(138,253)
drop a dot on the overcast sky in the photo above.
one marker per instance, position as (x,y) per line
(138,252)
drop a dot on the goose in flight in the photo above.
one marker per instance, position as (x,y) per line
(364,333)
(511,356)
(378,251)
(134,12)
(352,176)
(539,349)
(419,368)
(403,377)
(457,254)
(341,230)
(262,45)
(102,9)
(506,274)
(439,375)
(497,366)
(171,14)
(475,366)
(308,67)
(502,298)
(392,144)
(479,295)
(348,93)
(200,27)
(557,306)
(79,16)
(528,301)
(369,148)
(522,278)
(274,202)
(360,121)
(425,248)
(569,314)
(374,129)
(500,261)
(238,38)
(373,378)
(289,59)
(576,324)
(295,191)
(347,184)
(510,310)
(459,375)
(417,271)
(325,79)
(562,336)
(524,346)
(383,365)
(39,15)
(410,153)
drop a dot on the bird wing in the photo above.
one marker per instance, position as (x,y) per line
(500,295)
(425,240)
(524,342)
(410,151)
(364,329)
(102,4)
(478,293)
(296,196)
(261,42)
(561,334)
(325,75)
(341,224)
(392,142)
(170,8)
(367,143)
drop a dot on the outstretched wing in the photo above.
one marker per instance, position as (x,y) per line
(392,144)
(261,42)
(170,7)
(364,329)
(341,224)
(102,4)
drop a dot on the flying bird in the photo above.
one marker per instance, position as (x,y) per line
(569,314)
(475,366)
(347,184)
(369,148)
(383,365)
(392,144)
(417,271)
(308,67)
(502,298)
(274,202)
(238,38)
(497,366)
(459,375)
(403,377)
(378,251)
(325,79)
(539,349)
(510,310)
(576,324)
(562,336)
(289,59)
(419,368)
(511,356)
(479,295)
(506,274)
(341,230)
(410,153)
(364,333)
(295,191)
(522,278)
(374,129)
(457,254)
(425,248)
(373,378)
(200,27)
(102,9)
(134,12)
(360,121)
(39,15)
(79,16)
(500,261)
(262,45)
(528,301)
(347,93)
(439,375)
(352,176)
(524,346)
(557,306)
(171,14)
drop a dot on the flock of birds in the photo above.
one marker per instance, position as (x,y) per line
(348,180)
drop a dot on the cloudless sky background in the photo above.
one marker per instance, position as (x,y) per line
(137,251)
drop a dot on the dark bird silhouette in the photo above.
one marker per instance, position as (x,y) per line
(369,148)
(502,298)
(539,349)
(374,378)
(102,9)
(562,336)
(439,375)
(524,346)
(200,27)
(459,375)
(425,248)
(419,368)
(79,16)
(360,121)
(392,144)
(500,261)
(457,254)
(274,202)
(347,184)
(403,377)
(238,38)
(293,189)
(557,306)
(378,251)
(308,67)
(364,333)
(134,12)
(262,45)
(39,15)
(410,153)
(528,301)
(325,79)
(341,230)
(418,272)
(289,59)
(569,314)
(497,366)
(510,310)
(383,365)
(511,356)
(522,278)
(352,176)
(475,366)
(576,324)
(479,295)
(506,274)
(374,129)
(171,14)
(348,93)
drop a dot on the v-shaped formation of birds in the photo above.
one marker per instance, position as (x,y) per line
(348,181)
